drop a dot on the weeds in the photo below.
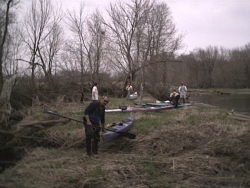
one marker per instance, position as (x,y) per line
(184,147)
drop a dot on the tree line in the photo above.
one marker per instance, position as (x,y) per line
(136,40)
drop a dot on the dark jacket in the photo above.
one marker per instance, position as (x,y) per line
(96,113)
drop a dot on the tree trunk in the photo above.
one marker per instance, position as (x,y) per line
(5,107)
(3,39)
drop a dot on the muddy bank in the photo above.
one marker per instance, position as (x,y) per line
(10,156)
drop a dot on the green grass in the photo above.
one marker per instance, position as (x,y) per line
(224,90)
(191,135)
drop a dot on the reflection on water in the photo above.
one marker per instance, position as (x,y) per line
(239,102)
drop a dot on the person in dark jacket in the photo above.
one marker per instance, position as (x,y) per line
(94,114)
(174,98)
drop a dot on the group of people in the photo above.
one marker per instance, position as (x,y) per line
(181,94)
(94,119)
(94,115)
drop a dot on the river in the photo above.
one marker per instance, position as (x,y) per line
(239,102)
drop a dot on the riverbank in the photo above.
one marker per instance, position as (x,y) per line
(220,90)
(194,146)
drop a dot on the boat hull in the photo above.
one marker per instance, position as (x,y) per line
(183,105)
(157,104)
(141,109)
(123,126)
(166,104)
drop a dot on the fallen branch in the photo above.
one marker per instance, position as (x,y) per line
(13,134)
(7,133)
(43,123)
(239,118)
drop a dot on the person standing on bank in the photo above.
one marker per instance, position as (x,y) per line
(183,90)
(95,92)
(129,89)
(94,114)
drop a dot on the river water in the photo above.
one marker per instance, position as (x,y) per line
(239,102)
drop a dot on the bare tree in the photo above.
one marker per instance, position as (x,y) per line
(162,42)
(5,21)
(126,19)
(239,66)
(246,61)
(89,35)
(206,60)
(70,57)
(143,36)
(221,72)
(192,70)
(217,67)
(43,36)
(12,51)
(97,33)
(76,24)
(47,53)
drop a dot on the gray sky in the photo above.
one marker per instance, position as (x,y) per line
(223,23)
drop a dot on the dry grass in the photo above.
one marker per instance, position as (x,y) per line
(186,147)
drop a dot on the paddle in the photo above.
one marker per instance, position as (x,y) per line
(58,115)
(124,134)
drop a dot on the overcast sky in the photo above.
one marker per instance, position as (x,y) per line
(205,23)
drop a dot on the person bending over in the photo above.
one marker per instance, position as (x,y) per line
(94,115)
(174,98)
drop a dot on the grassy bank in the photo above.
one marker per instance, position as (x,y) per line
(185,147)
(222,90)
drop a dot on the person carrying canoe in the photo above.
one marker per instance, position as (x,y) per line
(94,114)
(174,98)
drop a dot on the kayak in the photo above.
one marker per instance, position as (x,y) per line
(123,126)
(157,104)
(183,105)
(166,104)
(140,109)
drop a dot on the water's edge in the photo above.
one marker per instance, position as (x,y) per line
(238,102)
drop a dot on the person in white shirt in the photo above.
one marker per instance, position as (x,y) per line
(95,92)
(129,89)
(183,91)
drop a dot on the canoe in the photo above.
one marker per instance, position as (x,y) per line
(123,126)
(141,109)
